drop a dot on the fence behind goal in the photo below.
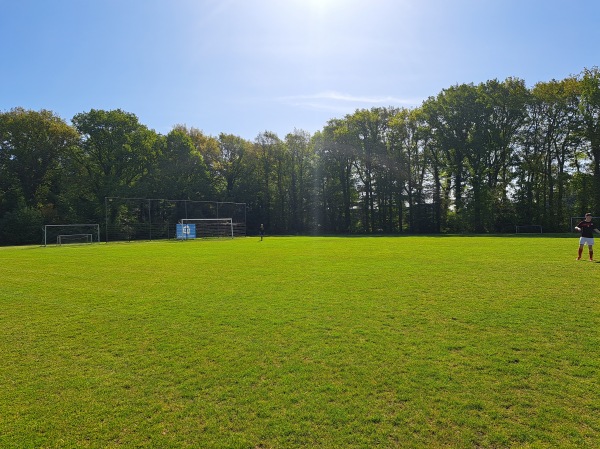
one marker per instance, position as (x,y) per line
(154,219)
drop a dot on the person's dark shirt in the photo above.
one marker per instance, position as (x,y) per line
(587,228)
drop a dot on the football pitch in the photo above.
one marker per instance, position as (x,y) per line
(407,342)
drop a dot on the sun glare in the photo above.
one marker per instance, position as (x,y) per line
(320,4)
(321,8)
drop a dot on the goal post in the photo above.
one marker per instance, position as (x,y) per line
(71,233)
(211,227)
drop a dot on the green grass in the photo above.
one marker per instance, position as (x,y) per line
(416,342)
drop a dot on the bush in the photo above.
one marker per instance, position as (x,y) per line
(21,227)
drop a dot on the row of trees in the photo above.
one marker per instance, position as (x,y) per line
(474,158)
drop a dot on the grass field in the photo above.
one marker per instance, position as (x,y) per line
(411,342)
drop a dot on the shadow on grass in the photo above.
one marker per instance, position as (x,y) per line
(354,236)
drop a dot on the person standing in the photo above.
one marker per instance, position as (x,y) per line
(261,231)
(587,229)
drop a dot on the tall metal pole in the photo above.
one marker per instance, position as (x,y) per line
(150,218)
(106,219)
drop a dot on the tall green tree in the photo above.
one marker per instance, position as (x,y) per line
(408,145)
(500,116)
(231,163)
(367,132)
(589,81)
(563,145)
(208,148)
(268,148)
(301,159)
(32,147)
(335,178)
(116,152)
(550,140)
(452,116)
(182,173)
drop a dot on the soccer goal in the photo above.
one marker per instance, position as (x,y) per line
(64,234)
(528,229)
(211,227)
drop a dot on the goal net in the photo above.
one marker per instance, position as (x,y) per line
(211,227)
(528,229)
(64,239)
(71,233)
(576,220)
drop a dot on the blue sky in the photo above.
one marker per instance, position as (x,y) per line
(247,66)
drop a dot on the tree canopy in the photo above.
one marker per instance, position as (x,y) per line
(473,158)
